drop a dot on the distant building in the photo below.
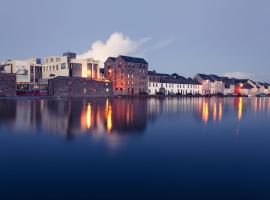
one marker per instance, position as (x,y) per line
(129,75)
(172,84)
(28,72)
(211,84)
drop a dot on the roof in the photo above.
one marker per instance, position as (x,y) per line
(133,59)
(112,58)
(215,77)
(247,86)
(205,77)
(154,73)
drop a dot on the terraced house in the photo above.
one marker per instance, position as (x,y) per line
(211,84)
(129,75)
(172,84)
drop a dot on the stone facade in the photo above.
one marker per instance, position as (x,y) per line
(129,75)
(7,85)
(78,87)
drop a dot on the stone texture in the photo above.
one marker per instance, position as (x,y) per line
(7,85)
(78,87)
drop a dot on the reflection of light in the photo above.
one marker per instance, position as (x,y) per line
(88,116)
(240,108)
(89,73)
(215,111)
(205,111)
(220,111)
(109,115)
(41,105)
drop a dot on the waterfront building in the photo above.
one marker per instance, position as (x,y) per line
(172,84)
(263,88)
(28,72)
(129,75)
(78,87)
(7,85)
(69,66)
(211,84)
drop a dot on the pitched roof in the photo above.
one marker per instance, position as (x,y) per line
(215,77)
(205,77)
(154,73)
(133,59)
(112,58)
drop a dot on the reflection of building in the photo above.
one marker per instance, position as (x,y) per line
(28,72)
(129,75)
(172,84)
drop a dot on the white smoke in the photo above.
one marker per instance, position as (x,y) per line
(116,45)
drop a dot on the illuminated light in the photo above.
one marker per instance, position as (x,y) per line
(240,108)
(88,116)
(107,90)
(89,73)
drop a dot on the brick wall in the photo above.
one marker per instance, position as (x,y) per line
(7,85)
(78,87)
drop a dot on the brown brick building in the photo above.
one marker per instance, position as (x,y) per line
(129,75)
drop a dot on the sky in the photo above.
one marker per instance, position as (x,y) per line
(224,37)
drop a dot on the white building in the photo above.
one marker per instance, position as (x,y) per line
(211,84)
(28,72)
(172,84)
(69,65)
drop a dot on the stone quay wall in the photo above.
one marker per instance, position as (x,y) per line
(7,85)
(78,87)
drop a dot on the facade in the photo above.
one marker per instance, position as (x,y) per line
(28,72)
(78,87)
(129,75)
(172,84)
(263,88)
(68,65)
(211,84)
(7,85)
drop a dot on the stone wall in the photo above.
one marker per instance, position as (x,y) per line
(78,87)
(7,85)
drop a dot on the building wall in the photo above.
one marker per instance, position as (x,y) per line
(78,87)
(7,85)
(28,72)
(174,88)
(127,78)
(55,66)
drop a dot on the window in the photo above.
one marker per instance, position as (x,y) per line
(63,65)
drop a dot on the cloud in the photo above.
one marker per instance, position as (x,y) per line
(116,45)
(240,75)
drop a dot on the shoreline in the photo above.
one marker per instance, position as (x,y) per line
(126,97)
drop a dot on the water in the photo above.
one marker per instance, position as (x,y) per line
(173,148)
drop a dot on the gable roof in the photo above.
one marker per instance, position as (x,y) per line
(154,73)
(133,59)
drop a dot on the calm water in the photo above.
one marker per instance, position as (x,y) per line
(178,148)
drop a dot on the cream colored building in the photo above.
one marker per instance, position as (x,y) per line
(69,65)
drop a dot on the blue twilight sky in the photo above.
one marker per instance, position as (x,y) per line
(183,36)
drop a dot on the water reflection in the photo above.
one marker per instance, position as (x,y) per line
(120,116)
